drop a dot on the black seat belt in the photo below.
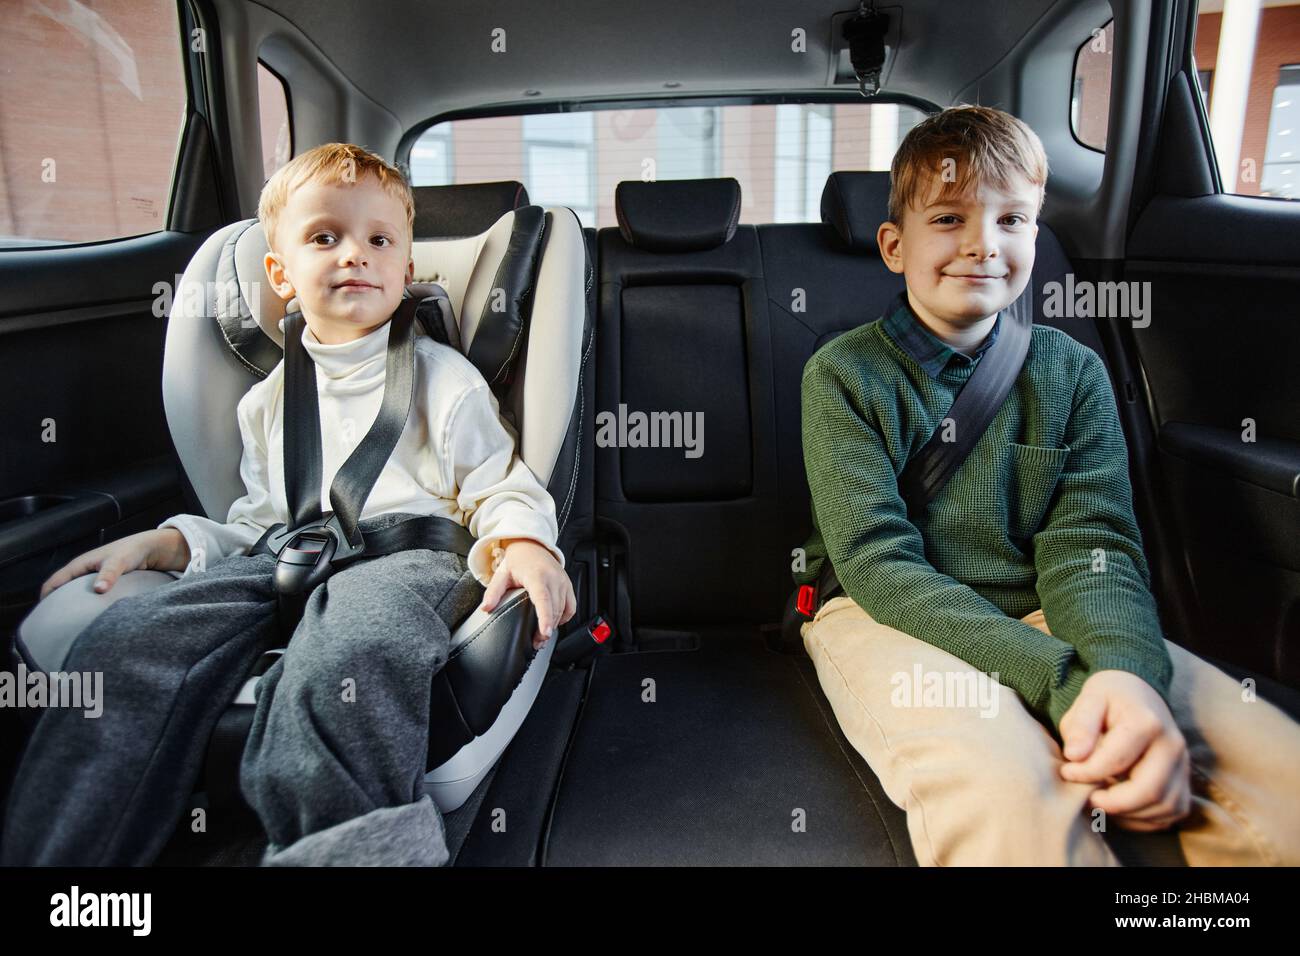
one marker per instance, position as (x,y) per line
(313,546)
(978,401)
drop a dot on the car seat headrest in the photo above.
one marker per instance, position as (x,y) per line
(854,204)
(489,280)
(491,276)
(245,306)
(530,257)
(467,209)
(679,215)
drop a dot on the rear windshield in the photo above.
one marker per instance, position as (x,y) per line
(781,154)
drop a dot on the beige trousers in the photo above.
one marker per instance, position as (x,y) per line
(977,773)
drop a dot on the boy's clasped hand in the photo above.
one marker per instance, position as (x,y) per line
(1120,735)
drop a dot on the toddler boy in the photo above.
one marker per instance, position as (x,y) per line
(334,763)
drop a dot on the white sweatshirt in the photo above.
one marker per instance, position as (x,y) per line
(454,458)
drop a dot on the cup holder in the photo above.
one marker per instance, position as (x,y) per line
(24,506)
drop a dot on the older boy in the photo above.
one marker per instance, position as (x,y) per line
(1035,528)
(335,758)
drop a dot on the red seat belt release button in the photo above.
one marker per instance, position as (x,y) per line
(599,630)
(804,602)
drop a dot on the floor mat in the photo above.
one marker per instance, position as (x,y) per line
(721,755)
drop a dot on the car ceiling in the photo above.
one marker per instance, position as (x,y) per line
(418,58)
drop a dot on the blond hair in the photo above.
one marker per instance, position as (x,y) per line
(335,163)
(984,145)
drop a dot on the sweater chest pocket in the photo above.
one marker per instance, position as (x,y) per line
(1032,476)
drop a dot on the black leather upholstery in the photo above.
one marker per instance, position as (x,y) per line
(854,204)
(500,333)
(678,215)
(662,331)
(254,349)
(668,337)
(688,332)
(468,694)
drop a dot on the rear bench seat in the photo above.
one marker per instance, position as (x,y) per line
(683,327)
(699,313)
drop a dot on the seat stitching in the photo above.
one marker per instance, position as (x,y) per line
(582,410)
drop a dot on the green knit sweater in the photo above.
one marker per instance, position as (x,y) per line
(1039,515)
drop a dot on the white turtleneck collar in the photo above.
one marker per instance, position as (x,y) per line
(360,362)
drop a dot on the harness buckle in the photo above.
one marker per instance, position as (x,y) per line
(307,555)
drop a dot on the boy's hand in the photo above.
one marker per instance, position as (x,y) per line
(1138,741)
(162,549)
(531,566)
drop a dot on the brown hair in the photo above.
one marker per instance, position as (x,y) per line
(331,163)
(986,146)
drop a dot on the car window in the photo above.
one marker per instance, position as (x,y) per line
(92,108)
(273,111)
(1248,60)
(780,153)
(1090,97)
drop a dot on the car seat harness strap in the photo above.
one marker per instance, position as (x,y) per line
(314,546)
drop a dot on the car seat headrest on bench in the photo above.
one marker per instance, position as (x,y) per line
(680,215)
(854,204)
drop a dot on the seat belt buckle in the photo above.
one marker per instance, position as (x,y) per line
(806,602)
(307,555)
(582,641)
(599,630)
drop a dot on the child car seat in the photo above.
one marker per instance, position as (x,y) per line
(515,305)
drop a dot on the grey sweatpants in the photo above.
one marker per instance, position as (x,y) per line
(335,758)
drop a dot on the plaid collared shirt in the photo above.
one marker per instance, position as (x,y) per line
(929,351)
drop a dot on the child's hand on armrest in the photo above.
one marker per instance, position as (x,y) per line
(1141,756)
(162,549)
(531,566)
